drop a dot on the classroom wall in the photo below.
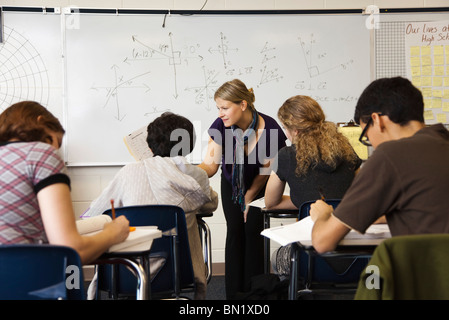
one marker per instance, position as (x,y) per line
(88,182)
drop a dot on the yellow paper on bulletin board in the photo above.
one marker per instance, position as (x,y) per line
(353,135)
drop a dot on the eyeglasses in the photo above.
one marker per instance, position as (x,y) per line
(363,137)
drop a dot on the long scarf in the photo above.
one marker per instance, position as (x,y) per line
(238,183)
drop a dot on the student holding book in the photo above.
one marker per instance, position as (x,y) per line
(166,178)
(35,201)
(407,176)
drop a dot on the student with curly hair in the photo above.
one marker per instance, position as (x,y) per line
(320,162)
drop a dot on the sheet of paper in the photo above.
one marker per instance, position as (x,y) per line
(301,231)
(139,240)
(92,224)
(137,145)
(298,231)
(260,203)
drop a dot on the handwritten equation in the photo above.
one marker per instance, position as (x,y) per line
(207,66)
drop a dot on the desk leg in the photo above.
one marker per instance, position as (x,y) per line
(142,292)
(294,260)
(266,244)
(146,268)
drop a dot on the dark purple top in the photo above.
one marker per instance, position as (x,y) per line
(270,142)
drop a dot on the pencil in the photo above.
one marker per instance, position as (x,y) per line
(131,229)
(112,209)
(321,194)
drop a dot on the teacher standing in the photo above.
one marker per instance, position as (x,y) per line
(245,143)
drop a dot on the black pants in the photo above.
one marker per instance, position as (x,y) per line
(244,253)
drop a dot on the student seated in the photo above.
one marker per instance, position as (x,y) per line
(35,202)
(166,178)
(407,176)
(320,162)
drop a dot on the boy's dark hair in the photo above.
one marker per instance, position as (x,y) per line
(395,97)
(171,135)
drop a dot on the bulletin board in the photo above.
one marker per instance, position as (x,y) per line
(416,46)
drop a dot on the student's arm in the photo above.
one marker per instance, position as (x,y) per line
(212,159)
(327,230)
(274,194)
(212,205)
(59,222)
(257,185)
(382,219)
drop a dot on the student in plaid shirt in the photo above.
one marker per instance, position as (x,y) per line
(35,201)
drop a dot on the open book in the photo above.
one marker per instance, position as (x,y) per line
(140,239)
(301,231)
(136,142)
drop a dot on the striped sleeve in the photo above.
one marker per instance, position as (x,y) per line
(45,167)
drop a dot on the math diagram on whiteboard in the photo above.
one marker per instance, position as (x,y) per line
(124,71)
(319,63)
(23,74)
(147,61)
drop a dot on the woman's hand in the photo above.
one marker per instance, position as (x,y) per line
(118,228)
(320,209)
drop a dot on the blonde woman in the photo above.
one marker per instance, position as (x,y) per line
(244,142)
(319,163)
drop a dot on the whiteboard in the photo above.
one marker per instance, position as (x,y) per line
(123,71)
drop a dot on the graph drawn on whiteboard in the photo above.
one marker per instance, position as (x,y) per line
(204,93)
(316,59)
(114,92)
(268,73)
(137,70)
(23,74)
(224,50)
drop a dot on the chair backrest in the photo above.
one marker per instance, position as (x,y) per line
(304,209)
(171,221)
(339,269)
(407,267)
(34,272)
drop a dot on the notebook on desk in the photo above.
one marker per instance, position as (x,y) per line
(301,231)
(138,240)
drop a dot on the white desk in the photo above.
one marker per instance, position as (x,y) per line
(355,245)
(299,234)
(129,257)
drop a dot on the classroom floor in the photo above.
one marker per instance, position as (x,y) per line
(216,291)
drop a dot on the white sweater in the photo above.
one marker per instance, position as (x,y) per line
(158,180)
(164,180)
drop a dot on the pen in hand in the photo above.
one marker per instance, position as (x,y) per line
(112,209)
(131,229)
(321,194)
